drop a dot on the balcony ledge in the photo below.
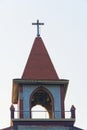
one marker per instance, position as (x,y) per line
(46,122)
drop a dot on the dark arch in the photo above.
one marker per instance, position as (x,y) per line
(42,96)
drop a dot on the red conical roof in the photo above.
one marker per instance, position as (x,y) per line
(39,65)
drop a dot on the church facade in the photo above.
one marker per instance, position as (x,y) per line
(40,85)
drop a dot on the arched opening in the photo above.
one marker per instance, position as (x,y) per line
(43,99)
(39,111)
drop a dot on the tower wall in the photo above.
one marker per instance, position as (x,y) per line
(27,91)
(42,128)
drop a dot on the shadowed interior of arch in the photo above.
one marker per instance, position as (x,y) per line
(39,112)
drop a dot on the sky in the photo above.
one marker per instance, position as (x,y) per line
(65,36)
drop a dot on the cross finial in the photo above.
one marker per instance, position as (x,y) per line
(37,23)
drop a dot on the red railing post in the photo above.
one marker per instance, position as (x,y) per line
(73,111)
(12,109)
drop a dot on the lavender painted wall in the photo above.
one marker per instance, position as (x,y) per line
(42,128)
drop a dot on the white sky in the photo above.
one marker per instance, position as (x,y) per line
(65,37)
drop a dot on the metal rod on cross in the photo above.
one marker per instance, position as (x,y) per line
(38,30)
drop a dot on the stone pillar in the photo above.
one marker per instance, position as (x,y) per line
(73,111)
(12,109)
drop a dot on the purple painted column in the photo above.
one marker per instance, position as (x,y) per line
(12,109)
(73,111)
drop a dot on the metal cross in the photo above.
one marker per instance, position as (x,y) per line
(37,23)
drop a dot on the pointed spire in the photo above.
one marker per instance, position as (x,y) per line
(39,65)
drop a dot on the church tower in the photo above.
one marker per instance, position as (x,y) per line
(40,85)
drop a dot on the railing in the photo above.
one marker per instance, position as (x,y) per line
(41,114)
